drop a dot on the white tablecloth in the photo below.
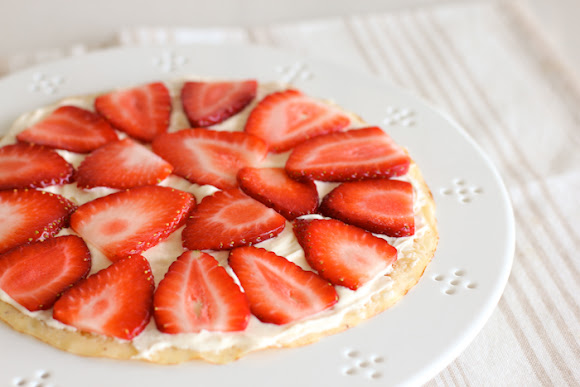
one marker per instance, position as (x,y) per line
(487,65)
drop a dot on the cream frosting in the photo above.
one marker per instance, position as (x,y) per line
(257,335)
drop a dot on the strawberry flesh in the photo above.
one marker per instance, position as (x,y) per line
(70,128)
(129,222)
(273,188)
(122,164)
(279,291)
(32,166)
(343,254)
(381,206)
(116,301)
(286,118)
(229,219)
(198,294)
(141,112)
(209,103)
(359,154)
(36,274)
(31,215)
(205,156)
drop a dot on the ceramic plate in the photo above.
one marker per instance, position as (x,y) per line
(406,345)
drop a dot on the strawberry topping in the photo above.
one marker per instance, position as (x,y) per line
(70,128)
(129,222)
(197,293)
(343,254)
(206,156)
(359,154)
(141,112)
(35,275)
(122,164)
(209,103)
(273,188)
(115,301)
(32,166)
(229,219)
(286,118)
(380,206)
(278,290)
(31,215)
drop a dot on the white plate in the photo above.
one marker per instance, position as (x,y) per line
(406,345)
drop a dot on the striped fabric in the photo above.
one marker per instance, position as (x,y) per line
(487,65)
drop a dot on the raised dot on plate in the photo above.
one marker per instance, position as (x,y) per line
(378,359)
(352,353)
(449,291)
(438,277)
(18,382)
(446,191)
(364,364)
(471,285)
(459,181)
(459,273)
(350,371)
(454,282)
(477,190)
(376,375)
(465,199)
(42,374)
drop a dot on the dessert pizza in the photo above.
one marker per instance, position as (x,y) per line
(204,219)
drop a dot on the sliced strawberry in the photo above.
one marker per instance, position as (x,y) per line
(141,112)
(198,294)
(70,128)
(31,215)
(31,166)
(286,118)
(380,206)
(206,156)
(359,154)
(273,188)
(280,291)
(209,103)
(122,164)
(229,219)
(129,222)
(115,301)
(343,254)
(35,275)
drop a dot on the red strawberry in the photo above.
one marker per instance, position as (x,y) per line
(122,164)
(35,275)
(141,112)
(343,254)
(29,166)
(229,219)
(286,118)
(359,154)
(380,206)
(198,294)
(205,156)
(129,222)
(280,291)
(273,188)
(209,103)
(31,215)
(115,301)
(70,128)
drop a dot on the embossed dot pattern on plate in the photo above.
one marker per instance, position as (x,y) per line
(46,84)
(169,61)
(294,72)
(368,366)
(462,191)
(41,378)
(454,282)
(399,116)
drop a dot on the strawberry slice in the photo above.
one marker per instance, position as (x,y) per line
(129,222)
(31,215)
(286,118)
(70,128)
(343,254)
(278,290)
(198,294)
(229,219)
(122,164)
(359,154)
(35,275)
(141,112)
(205,156)
(209,103)
(379,206)
(32,166)
(273,188)
(115,301)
